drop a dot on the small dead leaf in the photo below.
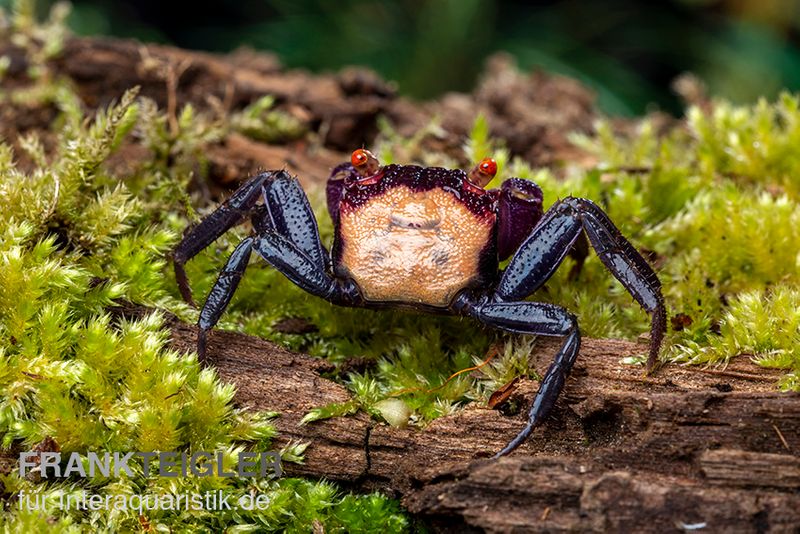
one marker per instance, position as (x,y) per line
(48,444)
(145,524)
(502,394)
(680,321)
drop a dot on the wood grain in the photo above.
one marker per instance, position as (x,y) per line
(686,447)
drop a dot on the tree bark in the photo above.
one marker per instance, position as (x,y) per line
(690,447)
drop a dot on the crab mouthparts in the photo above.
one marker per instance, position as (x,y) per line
(414,223)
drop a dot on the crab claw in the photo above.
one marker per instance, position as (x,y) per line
(482,173)
(364,162)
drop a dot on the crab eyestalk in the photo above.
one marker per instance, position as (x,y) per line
(482,173)
(365,162)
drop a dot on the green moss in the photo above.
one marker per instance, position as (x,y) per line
(259,121)
(719,205)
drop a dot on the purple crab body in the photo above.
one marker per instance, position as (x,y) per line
(419,235)
(431,239)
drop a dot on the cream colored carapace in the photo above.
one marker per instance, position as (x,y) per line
(415,247)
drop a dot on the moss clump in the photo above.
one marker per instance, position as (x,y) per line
(717,203)
(70,373)
(764,323)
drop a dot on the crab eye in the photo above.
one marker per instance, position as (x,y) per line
(365,163)
(488,166)
(359,158)
(482,173)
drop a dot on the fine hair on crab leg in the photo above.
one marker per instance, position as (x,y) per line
(535,318)
(540,255)
(232,212)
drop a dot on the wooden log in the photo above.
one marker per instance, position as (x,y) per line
(532,114)
(688,448)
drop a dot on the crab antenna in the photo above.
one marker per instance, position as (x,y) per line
(365,162)
(482,173)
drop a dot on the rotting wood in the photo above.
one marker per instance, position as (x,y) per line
(621,450)
(744,468)
(531,113)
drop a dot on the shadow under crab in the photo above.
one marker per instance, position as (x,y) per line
(431,239)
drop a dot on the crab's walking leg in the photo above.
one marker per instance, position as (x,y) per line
(291,216)
(543,251)
(295,265)
(539,319)
(288,239)
(232,212)
(286,211)
(289,260)
(222,292)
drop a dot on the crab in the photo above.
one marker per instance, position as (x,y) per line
(430,239)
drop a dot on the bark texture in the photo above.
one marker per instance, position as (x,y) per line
(690,447)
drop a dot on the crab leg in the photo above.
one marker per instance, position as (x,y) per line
(294,264)
(293,218)
(232,212)
(543,251)
(287,237)
(286,257)
(222,292)
(538,319)
(286,211)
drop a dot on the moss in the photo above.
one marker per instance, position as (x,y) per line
(261,123)
(718,204)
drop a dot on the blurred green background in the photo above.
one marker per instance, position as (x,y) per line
(628,51)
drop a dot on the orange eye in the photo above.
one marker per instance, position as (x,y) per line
(364,162)
(488,166)
(359,158)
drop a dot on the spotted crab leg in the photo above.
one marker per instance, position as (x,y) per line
(288,259)
(535,318)
(286,211)
(286,236)
(230,213)
(292,217)
(534,263)
(222,292)
(552,239)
